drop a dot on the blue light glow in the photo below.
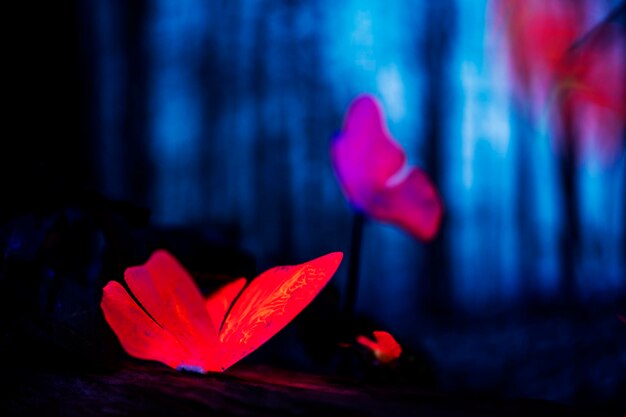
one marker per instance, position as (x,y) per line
(242,101)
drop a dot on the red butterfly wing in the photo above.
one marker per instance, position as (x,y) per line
(170,296)
(270,302)
(218,303)
(365,155)
(139,334)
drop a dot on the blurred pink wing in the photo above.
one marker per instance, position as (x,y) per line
(412,204)
(365,155)
(538,33)
(270,302)
(168,293)
(139,335)
(596,91)
(371,168)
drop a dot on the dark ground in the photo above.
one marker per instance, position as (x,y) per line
(146,388)
(547,368)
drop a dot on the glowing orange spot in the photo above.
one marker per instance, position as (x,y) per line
(386,349)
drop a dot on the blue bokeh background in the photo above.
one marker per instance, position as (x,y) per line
(217,117)
(231,108)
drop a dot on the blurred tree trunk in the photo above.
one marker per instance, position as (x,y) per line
(273,191)
(440,20)
(114,46)
(136,96)
(523,203)
(570,234)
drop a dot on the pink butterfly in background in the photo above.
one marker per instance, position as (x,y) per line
(174,324)
(386,349)
(538,32)
(373,173)
(593,93)
(555,55)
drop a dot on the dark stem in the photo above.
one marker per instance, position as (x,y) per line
(571,234)
(523,203)
(434,296)
(353,269)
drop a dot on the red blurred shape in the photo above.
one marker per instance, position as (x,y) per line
(539,33)
(622,318)
(592,90)
(175,325)
(386,349)
(372,171)
(563,67)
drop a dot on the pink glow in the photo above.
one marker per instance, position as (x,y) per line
(386,349)
(593,93)
(539,33)
(556,73)
(185,331)
(372,171)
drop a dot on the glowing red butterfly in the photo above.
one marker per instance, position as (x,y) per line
(386,349)
(372,171)
(175,325)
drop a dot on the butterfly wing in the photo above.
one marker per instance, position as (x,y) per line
(412,203)
(170,296)
(139,334)
(371,168)
(218,303)
(364,155)
(270,302)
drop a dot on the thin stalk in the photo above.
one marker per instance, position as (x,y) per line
(353,268)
